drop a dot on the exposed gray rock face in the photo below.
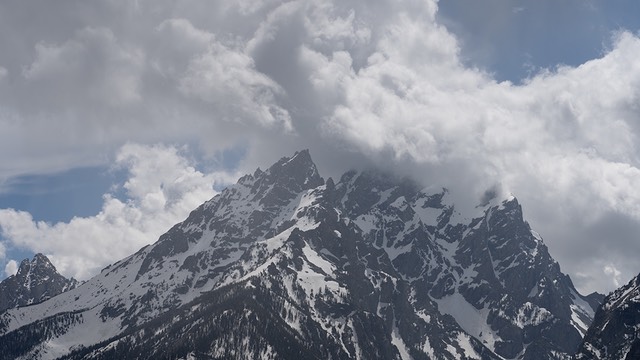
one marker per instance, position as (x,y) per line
(284,265)
(615,331)
(36,280)
(489,270)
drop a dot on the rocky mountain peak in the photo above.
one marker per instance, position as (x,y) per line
(35,281)
(282,181)
(285,266)
(613,333)
(298,172)
(39,265)
(624,295)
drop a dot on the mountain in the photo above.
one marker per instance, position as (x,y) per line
(36,280)
(286,265)
(614,331)
(491,272)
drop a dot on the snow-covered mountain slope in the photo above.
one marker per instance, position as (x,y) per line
(36,280)
(615,331)
(284,265)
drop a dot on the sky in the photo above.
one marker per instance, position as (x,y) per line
(117,118)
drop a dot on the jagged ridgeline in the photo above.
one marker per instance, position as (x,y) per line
(35,281)
(286,265)
(615,331)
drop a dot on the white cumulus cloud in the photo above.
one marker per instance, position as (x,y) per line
(11,268)
(161,190)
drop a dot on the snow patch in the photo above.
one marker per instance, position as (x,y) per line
(428,216)
(531,314)
(317,260)
(470,319)
(428,349)
(576,320)
(467,349)
(397,341)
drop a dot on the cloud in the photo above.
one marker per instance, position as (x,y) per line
(564,140)
(92,88)
(223,77)
(610,270)
(92,66)
(11,268)
(357,82)
(161,190)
